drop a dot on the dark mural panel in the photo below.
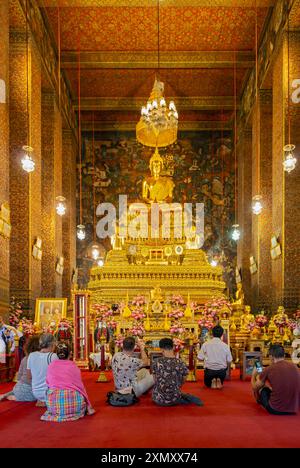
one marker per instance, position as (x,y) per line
(202,168)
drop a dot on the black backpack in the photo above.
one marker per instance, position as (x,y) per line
(119,399)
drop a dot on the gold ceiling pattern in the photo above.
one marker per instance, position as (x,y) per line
(118,43)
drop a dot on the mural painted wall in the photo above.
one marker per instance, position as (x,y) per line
(201,164)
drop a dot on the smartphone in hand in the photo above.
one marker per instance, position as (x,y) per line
(258,366)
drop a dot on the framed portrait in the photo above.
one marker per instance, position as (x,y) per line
(49,310)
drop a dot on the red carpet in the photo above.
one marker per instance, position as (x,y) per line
(230,418)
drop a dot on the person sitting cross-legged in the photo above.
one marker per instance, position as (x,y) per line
(216,356)
(277,388)
(169,375)
(37,366)
(22,391)
(66,397)
(129,372)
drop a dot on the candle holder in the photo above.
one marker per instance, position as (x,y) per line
(102,376)
(191,377)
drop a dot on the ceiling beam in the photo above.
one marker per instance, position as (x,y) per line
(131,126)
(201,59)
(132,104)
(153,3)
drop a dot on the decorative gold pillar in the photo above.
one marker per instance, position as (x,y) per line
(69,220)
(265,292)
(244,154)
(286,214)
(25,189)
(51,188)
(291,293)
(4,153)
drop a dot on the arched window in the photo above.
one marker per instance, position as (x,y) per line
(2,92)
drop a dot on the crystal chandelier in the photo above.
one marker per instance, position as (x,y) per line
(95,252)
(289,162)
(158,124)
(28,163)
(61,207)
(236,233)
(257,204)
(81,232)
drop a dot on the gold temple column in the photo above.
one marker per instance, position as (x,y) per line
(264,225)
(291,293)
(244,153)
(51,188)
(4,153)
(286,215)
(25,189)
(69,220)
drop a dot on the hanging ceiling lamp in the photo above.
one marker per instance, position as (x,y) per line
(158,123)
(61,206)
(289,160)
(81,232)
(95,250)
(236,234)
(28,164)
(257,205)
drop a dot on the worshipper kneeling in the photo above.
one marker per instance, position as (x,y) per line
(169,375)
(66,397)
(22,391)
(217,357)
(129,372)
(277,387)
(37,366)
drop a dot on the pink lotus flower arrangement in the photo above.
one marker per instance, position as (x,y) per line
(27,327)
(138,315)
(176,314)
(207,322)
(178,345)
(138,301)
(261,320)
(15,313)
(137,329)
(176,328)
(177,300)
(217,307)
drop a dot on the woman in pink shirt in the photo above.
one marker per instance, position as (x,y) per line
(66,398)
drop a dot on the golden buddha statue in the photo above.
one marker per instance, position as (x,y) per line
(246,319)
(281,320)
(157,188)
(239,295)
(156,294)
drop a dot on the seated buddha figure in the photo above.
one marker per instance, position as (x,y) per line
(246,319)
(280,319)
(239,295)
(157,188)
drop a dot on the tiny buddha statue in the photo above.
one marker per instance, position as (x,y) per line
(156,294)
(157,188)
(246,319)
(281,322)
(239,295)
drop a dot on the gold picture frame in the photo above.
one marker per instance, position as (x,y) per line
(50,309)
(275,250)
